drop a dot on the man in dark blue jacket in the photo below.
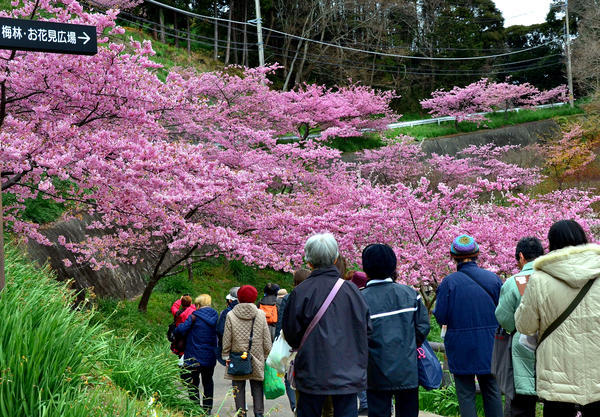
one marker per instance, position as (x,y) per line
(333,360)
(466,303)
(232,301)
(400,324)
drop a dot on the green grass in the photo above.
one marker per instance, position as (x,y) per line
(356,143)
(496,120)
(59,361)
(213,276)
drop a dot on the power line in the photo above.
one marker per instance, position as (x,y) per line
(347,48)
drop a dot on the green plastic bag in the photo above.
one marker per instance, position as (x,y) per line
(274,386)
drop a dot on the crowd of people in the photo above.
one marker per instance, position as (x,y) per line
(356,333)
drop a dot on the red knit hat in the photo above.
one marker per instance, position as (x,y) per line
(247,294)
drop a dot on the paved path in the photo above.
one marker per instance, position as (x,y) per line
(279,407)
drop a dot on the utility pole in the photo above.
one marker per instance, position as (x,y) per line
(261,51)
(568,50)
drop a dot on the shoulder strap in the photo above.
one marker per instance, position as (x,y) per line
(251,336)
(321,311)
(554,325)
(481,286)
(177,315)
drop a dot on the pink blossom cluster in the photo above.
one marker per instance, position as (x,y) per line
(483,96)
(176,171)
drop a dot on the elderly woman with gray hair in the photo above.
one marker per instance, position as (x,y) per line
(332,361)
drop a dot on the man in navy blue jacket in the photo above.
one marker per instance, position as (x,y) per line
(400,323)
(466,303)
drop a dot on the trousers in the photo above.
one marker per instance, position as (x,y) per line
(258,397)
(192,376)
(558,409)
(465,391)
(407,403)
(311,405)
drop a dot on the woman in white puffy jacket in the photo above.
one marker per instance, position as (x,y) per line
(568,360)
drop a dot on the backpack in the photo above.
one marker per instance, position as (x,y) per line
(179,341)
(270,312)
(172,326)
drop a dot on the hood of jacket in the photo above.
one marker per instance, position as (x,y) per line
(245,311)
(207,314)
(575,265)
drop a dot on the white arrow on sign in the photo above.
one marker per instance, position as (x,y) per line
(86,37)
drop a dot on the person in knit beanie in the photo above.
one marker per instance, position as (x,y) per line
(247,294)
(466,303)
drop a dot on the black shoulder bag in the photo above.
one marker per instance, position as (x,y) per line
(240,363)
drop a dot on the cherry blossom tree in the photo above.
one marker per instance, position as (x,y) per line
(461,103)
(483,96)
(169,170)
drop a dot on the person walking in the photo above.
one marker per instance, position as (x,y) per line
(332,360)
(247,325)
(400,324)
(270,306)
(564,284)
(181,310)
(232,301)
(466,304)
(523,359)
(199,356)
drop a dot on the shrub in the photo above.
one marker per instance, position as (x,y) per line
(148,372)
(244,274)
(46,351)
(175,284)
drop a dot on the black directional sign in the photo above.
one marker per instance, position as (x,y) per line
(33,35)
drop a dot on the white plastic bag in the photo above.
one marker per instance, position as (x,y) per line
(279,357)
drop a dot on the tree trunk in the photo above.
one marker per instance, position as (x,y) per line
(228,48)
(190,272)
(143,304)
(175,27)
(245,52)
(291,69)
(161,19)
(189,41)
(216,51)
(301,66)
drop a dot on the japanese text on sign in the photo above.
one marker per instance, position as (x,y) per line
(42,35)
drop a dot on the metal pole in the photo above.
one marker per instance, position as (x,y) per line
(568,50)
(2,276)
(261,51)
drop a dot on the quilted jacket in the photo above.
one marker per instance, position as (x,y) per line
(237,336)
(567,362)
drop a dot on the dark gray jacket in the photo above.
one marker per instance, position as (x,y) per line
(400,323)
(333,360)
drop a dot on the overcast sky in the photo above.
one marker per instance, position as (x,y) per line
(523,12)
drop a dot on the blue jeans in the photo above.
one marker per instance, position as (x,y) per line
(407,403)
(465,391)
(311,405)
(291,393)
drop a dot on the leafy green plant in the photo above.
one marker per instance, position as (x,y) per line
(175,284)
(244,274)
(148,372)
